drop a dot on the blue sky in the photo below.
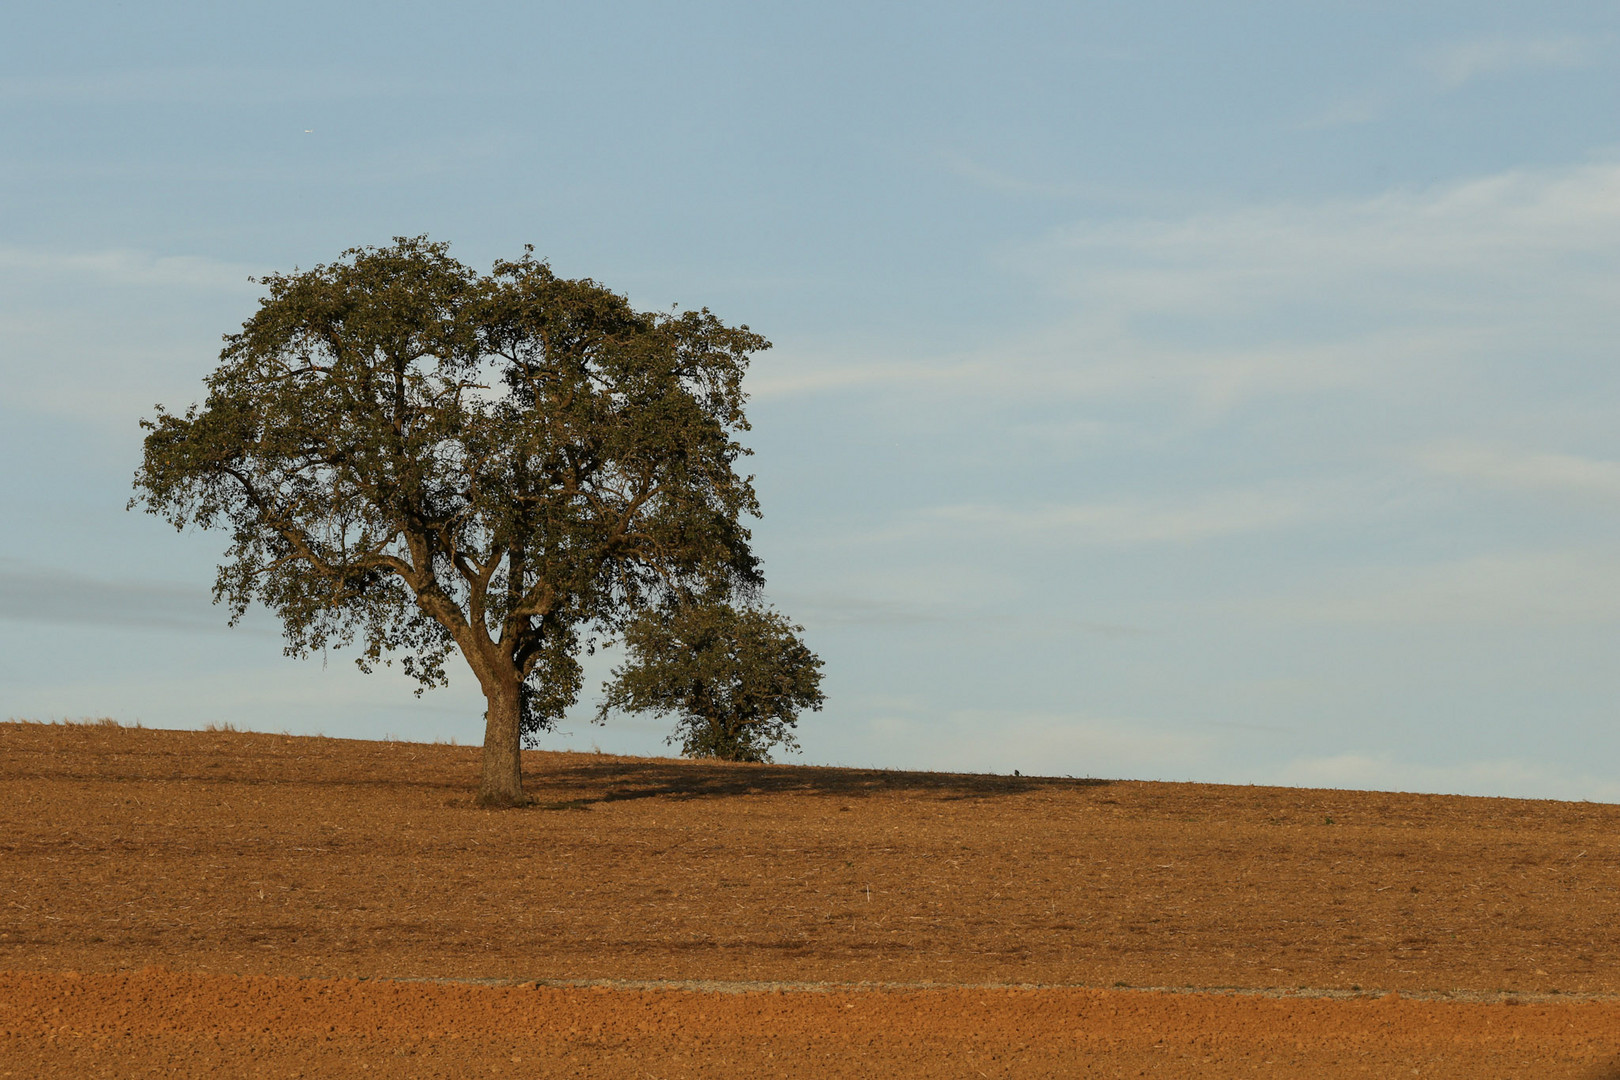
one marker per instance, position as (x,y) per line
(1219,392)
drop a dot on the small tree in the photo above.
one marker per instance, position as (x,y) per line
(432,460)
(734,678)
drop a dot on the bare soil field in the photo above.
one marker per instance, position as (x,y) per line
(191,903)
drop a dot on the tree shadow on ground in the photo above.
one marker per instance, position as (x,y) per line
(577,787)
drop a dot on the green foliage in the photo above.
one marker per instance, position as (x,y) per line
(428,459)
(735,678)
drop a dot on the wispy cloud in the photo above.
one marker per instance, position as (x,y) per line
(32,593)
(1375,295)
(1036,743)
(1448,67)
(826,608)
(1461,62)
(995,179)
(273,694)
(1413,252)
(1348,112)
(1520,590)
(1200,517)
(99,335)
(1370,293)
(127,267)
(1526,471)
(784,376)
(216,85)
(1511,777)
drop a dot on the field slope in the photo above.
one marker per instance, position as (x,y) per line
(835,921)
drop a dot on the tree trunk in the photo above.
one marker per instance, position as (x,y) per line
(501,784)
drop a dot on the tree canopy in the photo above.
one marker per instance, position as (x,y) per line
(425,459)
(734,677)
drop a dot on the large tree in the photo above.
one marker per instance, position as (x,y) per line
(430,460)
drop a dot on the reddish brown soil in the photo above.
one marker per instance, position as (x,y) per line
(158,1023)
(238,855)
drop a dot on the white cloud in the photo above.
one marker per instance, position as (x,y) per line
(827,609)
(1465,61)
(783,375)
(274,694)
(1035,743)
(236,85)
(1545,472)
(1413,252)
(124,267)
(1449,67)
(33,593)
(1081,359)
(1549,588)
(1398,293)
(1348,112)
(1201,517)
(1509,777)
(1006,183)
(100,335)
(1373,293)
(1175,518)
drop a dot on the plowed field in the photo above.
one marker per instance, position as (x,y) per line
(189,903)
